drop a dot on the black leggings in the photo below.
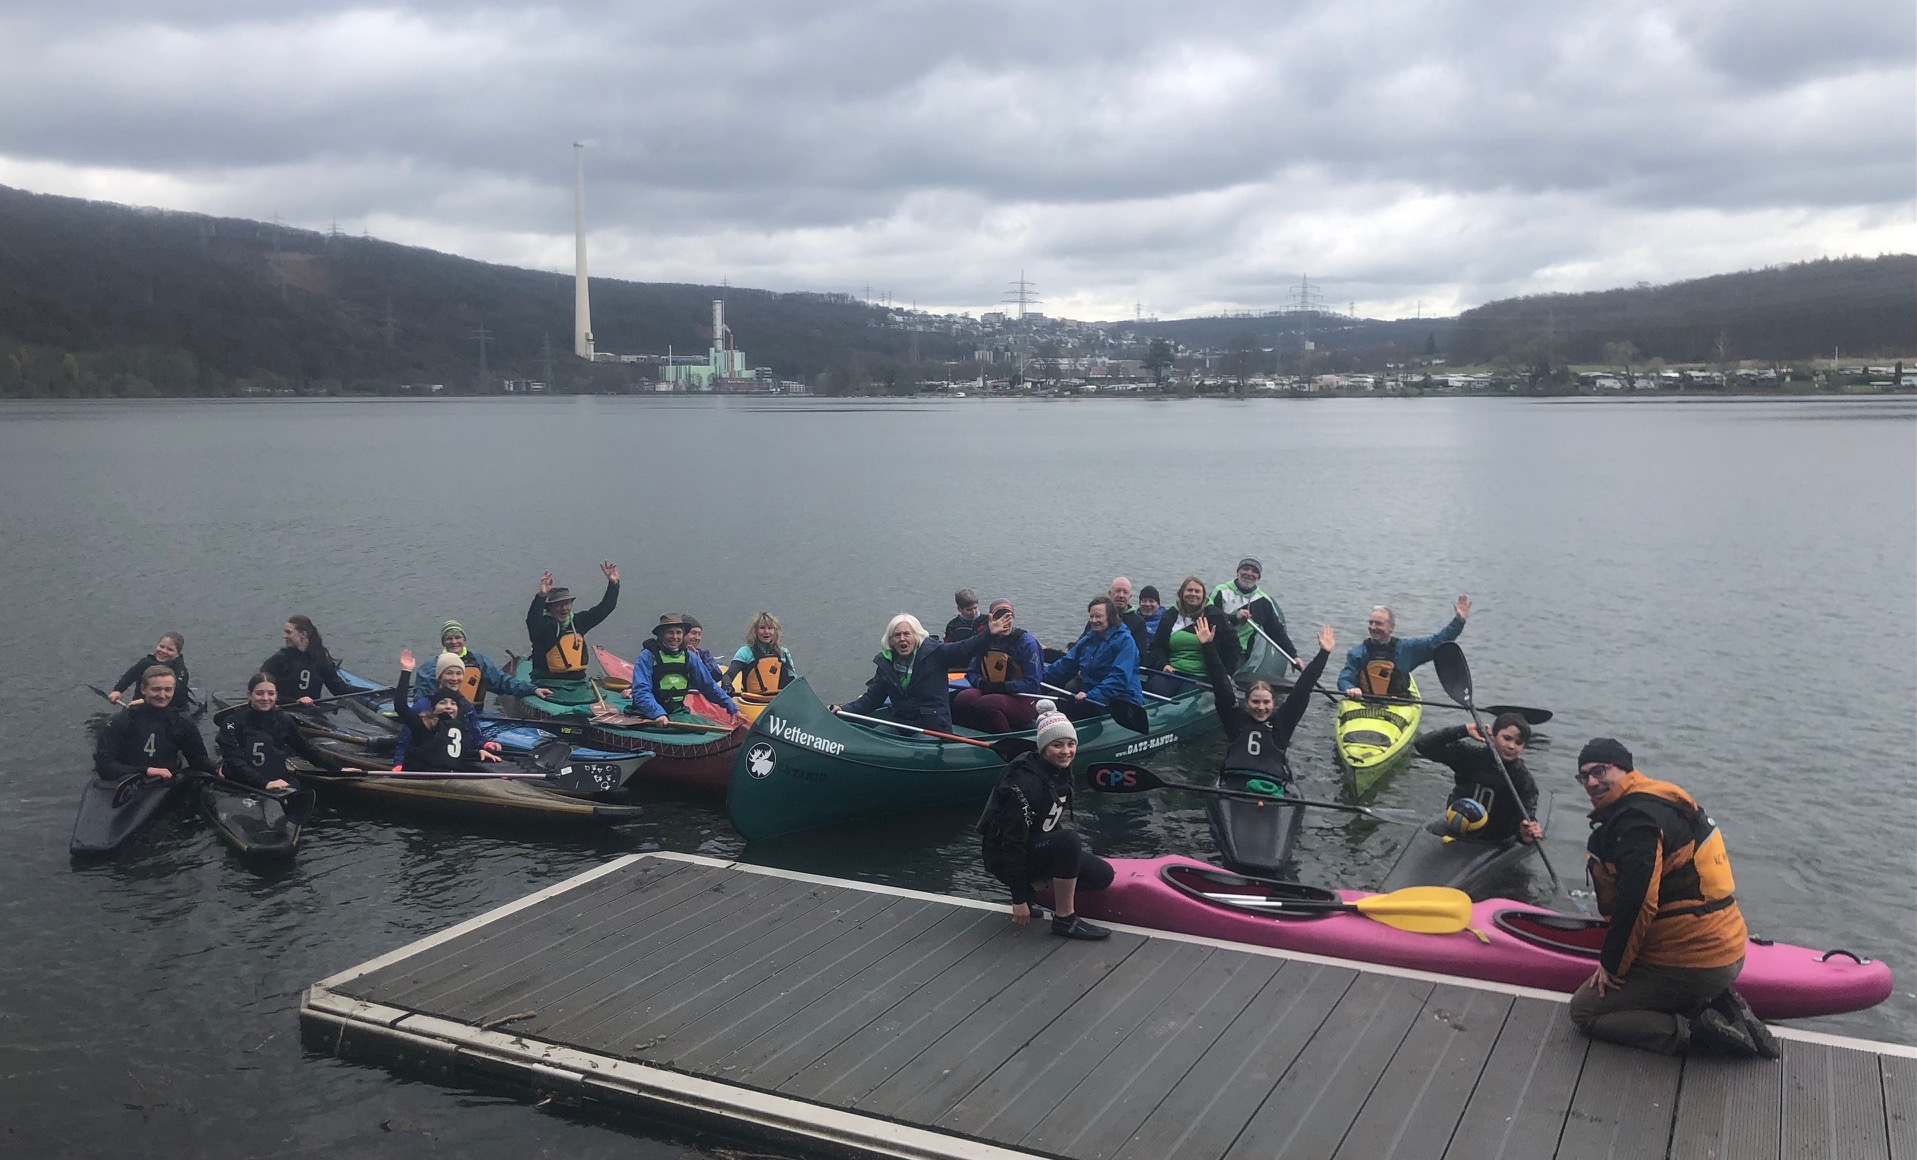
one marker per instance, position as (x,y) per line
(1065,857)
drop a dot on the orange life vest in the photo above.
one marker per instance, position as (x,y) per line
(567,656)
(764,677)
(1690,916)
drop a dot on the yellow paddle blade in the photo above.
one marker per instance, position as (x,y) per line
(1419,909)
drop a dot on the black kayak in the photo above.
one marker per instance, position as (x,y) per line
(1467,864)
(111,812)
(1254,837)
(255,823)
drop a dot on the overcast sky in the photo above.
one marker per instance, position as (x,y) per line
(1188,157)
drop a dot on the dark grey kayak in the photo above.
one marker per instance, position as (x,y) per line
(112,812)
(1465,864)
(1254,837)
(255,823)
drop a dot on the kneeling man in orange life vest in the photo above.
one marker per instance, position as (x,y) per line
(1676,939)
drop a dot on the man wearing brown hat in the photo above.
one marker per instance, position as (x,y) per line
(666,671)
(1676,938)
(558,634)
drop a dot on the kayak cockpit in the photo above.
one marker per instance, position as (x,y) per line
(1245,894)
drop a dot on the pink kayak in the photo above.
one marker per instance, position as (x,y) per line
(1507,942)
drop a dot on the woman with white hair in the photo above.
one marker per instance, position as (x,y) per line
(909,674)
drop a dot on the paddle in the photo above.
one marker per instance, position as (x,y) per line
(605,714)
(1532,716)
(1120,777)
(1006,747)
(1418,909)
(1454,673)
(1126,714)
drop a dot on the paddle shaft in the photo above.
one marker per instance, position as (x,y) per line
(1464,696)
(1147,780)
(1534,716)
(1063,692)
(694,726)
(911,728)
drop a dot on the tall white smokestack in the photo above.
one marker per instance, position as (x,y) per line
(718,324)
(581,299)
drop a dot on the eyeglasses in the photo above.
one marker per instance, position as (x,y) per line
(1590,774)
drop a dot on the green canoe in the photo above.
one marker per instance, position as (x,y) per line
(689,761)
(801,767)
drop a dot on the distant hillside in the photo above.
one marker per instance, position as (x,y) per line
(105,299)
(1861,306)
(1864,307)
(1329,332)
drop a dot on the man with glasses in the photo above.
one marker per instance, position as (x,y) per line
(1676,938)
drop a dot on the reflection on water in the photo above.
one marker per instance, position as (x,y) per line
(1727,586)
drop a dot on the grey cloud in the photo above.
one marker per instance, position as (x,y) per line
(1186,150)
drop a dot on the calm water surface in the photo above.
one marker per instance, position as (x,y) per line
(1728,587)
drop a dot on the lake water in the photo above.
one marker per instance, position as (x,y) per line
(1729,587)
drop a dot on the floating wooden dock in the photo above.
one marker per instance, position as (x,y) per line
(821,1015)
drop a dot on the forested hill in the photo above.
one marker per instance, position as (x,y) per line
(1864,307)
(106,299)
(1860,306)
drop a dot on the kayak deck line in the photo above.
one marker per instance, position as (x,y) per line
(827,1015)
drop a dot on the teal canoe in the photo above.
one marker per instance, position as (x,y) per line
(688,761)
(801,767)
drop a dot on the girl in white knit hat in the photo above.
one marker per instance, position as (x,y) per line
(1025,840)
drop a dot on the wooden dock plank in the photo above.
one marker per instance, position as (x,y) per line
(1900,1105)
(1416,1105)
(552,981)
(1833,1103)
(756,1013)
(810,1031)
(1117,1096)
(850,1072)
(615,984)
(523,950)
(694,991)
(1729,1108)
(1209,1106)
(1623,1107)
(924,1087)
(399,982)
(1308,1114)
(1518,1108)
(1011,1101)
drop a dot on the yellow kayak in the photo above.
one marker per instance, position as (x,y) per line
(1372,738)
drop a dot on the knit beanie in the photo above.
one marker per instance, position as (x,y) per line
(447,661)
(1606,749)
(1150,592)
(450,626)
(1052,725)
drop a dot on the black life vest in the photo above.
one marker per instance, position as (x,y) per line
(249,738)
(450,746)
(153,740)
(1380,676)
(671,678)
(1256,751)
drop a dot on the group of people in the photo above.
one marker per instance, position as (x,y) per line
(1675,941)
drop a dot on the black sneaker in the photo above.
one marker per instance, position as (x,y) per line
(1076,927)
(1737,1011)
(1724,1036)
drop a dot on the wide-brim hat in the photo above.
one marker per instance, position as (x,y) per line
(669,620)
(559,596)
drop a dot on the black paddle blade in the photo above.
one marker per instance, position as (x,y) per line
(1012,748)
(1130,716)
(1531,716)
(1120,777)
(1454,672)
